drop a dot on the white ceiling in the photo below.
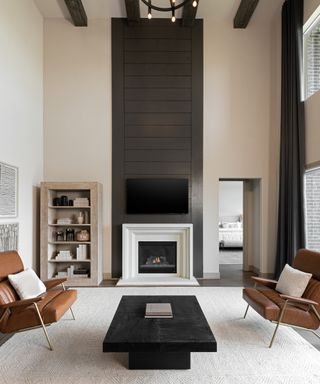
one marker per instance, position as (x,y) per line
(216,10)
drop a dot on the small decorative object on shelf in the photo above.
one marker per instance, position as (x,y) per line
(64,201)
(82,252)
(81,272)
(69,234)
(73,272)
(83,235)
(81,202)
(80,218)
(59,236)
(56,202)
(64,256)
(64,221)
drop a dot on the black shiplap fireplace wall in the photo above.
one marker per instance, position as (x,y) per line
(157,119)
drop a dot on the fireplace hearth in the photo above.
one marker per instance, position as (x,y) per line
(157,256)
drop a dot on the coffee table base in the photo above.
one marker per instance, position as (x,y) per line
(159,360)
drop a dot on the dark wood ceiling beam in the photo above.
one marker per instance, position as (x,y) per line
(244,13)
(189,14)
(133,11)
(77,12)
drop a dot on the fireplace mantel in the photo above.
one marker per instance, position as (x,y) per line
(182,234)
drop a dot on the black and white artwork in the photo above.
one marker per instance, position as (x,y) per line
(8,190)
(9,234)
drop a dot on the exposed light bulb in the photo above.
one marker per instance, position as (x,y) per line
(149,16)
(194,3)
(173,18)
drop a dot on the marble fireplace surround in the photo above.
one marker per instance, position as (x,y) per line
(182,234)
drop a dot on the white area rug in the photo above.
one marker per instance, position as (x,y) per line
(242,357)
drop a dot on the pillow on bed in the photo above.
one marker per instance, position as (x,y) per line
(229,225)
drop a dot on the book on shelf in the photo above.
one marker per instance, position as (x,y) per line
(81,202)
(64,256)
(82,253)
(158,311)
(64,221)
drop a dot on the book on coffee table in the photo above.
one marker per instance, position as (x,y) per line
(158,311)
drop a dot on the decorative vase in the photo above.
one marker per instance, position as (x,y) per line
(83,235)
(80,218)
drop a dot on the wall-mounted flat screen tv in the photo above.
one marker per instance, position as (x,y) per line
(157,196)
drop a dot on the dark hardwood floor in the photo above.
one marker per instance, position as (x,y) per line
(231,275)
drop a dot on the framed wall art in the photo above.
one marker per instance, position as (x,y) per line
(9,234)
(8,191)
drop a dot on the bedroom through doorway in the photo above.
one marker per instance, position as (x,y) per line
(231,223)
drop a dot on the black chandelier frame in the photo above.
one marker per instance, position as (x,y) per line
(166,9)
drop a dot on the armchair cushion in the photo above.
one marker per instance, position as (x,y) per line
(268,303)
(27,284)
(52,307)
(293,282)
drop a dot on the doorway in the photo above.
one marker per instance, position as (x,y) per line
(239,226)
(231,222)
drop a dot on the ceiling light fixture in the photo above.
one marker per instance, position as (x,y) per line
(149,10)
(174,5)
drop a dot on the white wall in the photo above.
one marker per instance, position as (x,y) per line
(21,112)
(77,112)
(312,111)
(237,122)
(230,198)
(309,7)
(237,114)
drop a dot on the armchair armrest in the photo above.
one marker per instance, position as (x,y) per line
(266,282)
(21,303)
(299,300)
(54,282)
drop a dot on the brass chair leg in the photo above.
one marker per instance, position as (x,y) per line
(279,322)
(64,288)
(43,326)
(72,313)
(245,314)
(316,312)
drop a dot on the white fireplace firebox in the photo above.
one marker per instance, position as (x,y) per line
(180,234)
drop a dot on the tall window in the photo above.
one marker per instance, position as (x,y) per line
(312,205)
(311,42)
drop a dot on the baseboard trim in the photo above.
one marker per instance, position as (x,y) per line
(108,276)
(267,275)
(211,275)
(256,270)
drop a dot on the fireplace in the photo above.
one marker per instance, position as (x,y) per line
(157,256)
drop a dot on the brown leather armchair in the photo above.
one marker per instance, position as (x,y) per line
(286,310)
(20,315)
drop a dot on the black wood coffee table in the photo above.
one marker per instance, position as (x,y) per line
(159,343)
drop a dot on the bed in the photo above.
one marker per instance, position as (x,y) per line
(231,232)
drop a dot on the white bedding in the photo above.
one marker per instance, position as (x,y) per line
(231,234)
